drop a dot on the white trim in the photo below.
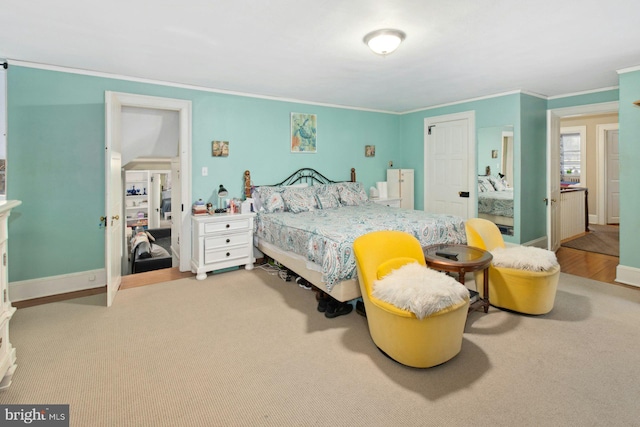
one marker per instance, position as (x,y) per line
(184,86)
(584,92)
(582,130)
(470,116)
(54,285)
(628,275)
(628,69)
(601,173)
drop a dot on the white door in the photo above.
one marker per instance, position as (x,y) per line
(449,186)
(406,188)
(553,181)
(176,211)
(155,195)
(613,180)
(114,235)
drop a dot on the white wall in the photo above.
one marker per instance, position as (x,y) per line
(149,133)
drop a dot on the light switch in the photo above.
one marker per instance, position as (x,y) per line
(205,171)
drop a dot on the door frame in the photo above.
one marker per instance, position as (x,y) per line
(470,116)
(184,109)
(601,131)
(559,113)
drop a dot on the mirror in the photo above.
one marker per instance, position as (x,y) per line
(495,176)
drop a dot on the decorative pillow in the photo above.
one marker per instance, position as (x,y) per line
(524,258)
(352,193)
(327,201)
(484,184)
(419,289)
(297,199)
(270,198)
(328,196)
(497,183)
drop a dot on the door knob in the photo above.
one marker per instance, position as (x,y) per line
(116,217)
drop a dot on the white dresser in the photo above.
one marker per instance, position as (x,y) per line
(221,241)
(7,351)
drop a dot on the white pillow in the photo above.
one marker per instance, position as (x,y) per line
(524,258)
(419,289)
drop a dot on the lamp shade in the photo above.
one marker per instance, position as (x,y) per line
(383,42)
(222,192)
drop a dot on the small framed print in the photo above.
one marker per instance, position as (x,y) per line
(369,150)
(220,148)
(494,154)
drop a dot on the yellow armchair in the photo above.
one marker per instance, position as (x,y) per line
(397,332)
(522,291)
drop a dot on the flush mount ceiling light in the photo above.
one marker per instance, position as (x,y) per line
(383,42)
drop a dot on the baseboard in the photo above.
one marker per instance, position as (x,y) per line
(628,275)
(538,243)
(54,285)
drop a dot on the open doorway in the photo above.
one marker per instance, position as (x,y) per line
(180,166)
(589,148)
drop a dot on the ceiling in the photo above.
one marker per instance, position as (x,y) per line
(313,51)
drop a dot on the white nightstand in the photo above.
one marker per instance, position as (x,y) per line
(394,203)
(221,241)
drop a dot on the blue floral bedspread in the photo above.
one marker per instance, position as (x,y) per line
(325,236)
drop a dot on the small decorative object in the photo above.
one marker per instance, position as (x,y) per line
(220,148)
(303,133)
(369,150)
(494,154)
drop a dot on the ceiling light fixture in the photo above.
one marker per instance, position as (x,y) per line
(383,42)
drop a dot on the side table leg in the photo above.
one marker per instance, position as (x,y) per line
(485,288)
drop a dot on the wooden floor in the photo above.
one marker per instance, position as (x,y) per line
(151,277)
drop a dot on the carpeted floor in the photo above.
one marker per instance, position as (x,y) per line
(602,239)
(245,348)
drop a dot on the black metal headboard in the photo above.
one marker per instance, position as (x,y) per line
(305,175)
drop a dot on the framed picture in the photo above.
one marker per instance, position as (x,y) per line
(369,150)
(304,132)
(494,154)
(220,148)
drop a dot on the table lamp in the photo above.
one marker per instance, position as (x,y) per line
(222,193)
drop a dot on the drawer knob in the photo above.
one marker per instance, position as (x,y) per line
(228,225)
(228,254)
(228,240)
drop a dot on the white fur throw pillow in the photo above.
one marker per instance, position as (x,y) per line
(419,289)
(524,258)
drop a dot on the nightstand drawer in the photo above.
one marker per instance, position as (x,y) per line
(226,254)
(224,241)
(229,225)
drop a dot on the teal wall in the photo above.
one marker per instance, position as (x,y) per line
(56,157)
(531,211)
(610,95)
(629,146)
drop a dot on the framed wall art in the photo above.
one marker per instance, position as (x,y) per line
(220,148)
(369,150)
(304,132)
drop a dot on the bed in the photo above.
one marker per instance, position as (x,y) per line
(308,223)
(495,201)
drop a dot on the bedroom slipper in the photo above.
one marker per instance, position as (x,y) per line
(339,309)
(303,283)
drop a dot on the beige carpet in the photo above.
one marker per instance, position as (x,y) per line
(602,239)
(248,349)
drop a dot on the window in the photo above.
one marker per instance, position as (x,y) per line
(572,155)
